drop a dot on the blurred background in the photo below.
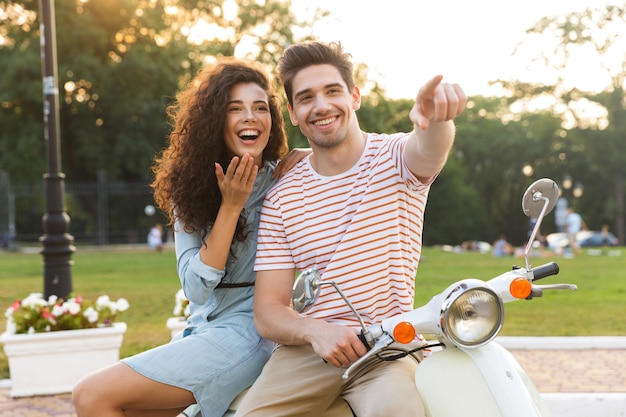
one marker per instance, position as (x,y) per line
(546,83)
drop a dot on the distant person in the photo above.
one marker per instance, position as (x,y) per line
(501,247)
(155,238)
(607,238)
(573,224)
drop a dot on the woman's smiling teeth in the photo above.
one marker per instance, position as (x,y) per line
(249,134)
(324,122)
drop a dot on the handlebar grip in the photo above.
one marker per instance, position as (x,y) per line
(546,270)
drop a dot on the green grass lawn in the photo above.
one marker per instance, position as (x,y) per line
(149,282)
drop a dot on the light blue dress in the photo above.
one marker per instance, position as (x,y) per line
(220,353)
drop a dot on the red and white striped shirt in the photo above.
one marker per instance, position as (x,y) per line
(361,229)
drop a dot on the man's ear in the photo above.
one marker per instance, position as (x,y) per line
(292,115)
(356,98)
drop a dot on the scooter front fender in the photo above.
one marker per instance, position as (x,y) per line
(486,382)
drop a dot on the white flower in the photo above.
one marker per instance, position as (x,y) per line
(122,304)
(91,314)
(103,301)
(34,301)
(58,311)
(11,326)
(72,306)
(181,306)
(180,296)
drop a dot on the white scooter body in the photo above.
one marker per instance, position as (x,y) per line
(489,378)
(484,382)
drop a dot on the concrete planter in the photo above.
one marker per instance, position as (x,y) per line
(176,324)
(53,362)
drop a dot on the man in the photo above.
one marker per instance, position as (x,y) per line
(353,210)
(573,225)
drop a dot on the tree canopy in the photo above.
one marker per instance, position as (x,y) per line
(590,104)
(120,63)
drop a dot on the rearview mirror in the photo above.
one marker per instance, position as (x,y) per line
(543,192)
(306,290)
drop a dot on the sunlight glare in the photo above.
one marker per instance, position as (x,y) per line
(231,10)
(204,31)
(528,170)
(171,10)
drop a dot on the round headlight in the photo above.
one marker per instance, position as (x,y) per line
(472,318)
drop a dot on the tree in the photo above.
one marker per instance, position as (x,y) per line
(22,147)
(559,46)
(120,64)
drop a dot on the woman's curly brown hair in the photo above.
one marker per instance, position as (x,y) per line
(185,185)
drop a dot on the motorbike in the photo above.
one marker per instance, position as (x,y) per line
(466,372)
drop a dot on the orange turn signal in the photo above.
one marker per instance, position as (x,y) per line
(404,332)
(520,288)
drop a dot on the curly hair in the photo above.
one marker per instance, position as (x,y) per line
(185,185)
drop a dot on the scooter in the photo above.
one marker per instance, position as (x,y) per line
(467,373)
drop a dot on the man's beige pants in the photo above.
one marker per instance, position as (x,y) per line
(296,382)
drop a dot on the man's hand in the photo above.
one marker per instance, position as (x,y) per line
(289,161)
(337,345)
(437,102)
(277,321)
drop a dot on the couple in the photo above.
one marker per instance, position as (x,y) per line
(353,209)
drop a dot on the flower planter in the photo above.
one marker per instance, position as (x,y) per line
(176,324)
(53,362)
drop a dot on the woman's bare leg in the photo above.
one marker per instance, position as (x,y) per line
(119,391)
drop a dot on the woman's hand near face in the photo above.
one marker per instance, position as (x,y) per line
(236,183)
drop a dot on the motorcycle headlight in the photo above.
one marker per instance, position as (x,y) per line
(472,316)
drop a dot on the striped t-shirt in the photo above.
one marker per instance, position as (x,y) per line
(361,229)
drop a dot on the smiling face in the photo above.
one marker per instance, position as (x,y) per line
(248,121)
(323,106)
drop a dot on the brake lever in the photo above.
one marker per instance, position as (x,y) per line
(537,290)
(384,341)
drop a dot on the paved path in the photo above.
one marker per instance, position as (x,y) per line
(573,368)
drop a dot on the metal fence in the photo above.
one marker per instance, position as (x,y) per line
(100,213)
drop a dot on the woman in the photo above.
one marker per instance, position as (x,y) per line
(227,138)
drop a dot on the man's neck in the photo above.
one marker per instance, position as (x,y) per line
(337,160)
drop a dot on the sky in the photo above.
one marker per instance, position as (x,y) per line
(407,42)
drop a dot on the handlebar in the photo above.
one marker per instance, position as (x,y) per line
(546,270)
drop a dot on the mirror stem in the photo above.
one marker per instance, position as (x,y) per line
(536,197)
(358,316)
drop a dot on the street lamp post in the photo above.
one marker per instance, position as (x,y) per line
(57,244)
